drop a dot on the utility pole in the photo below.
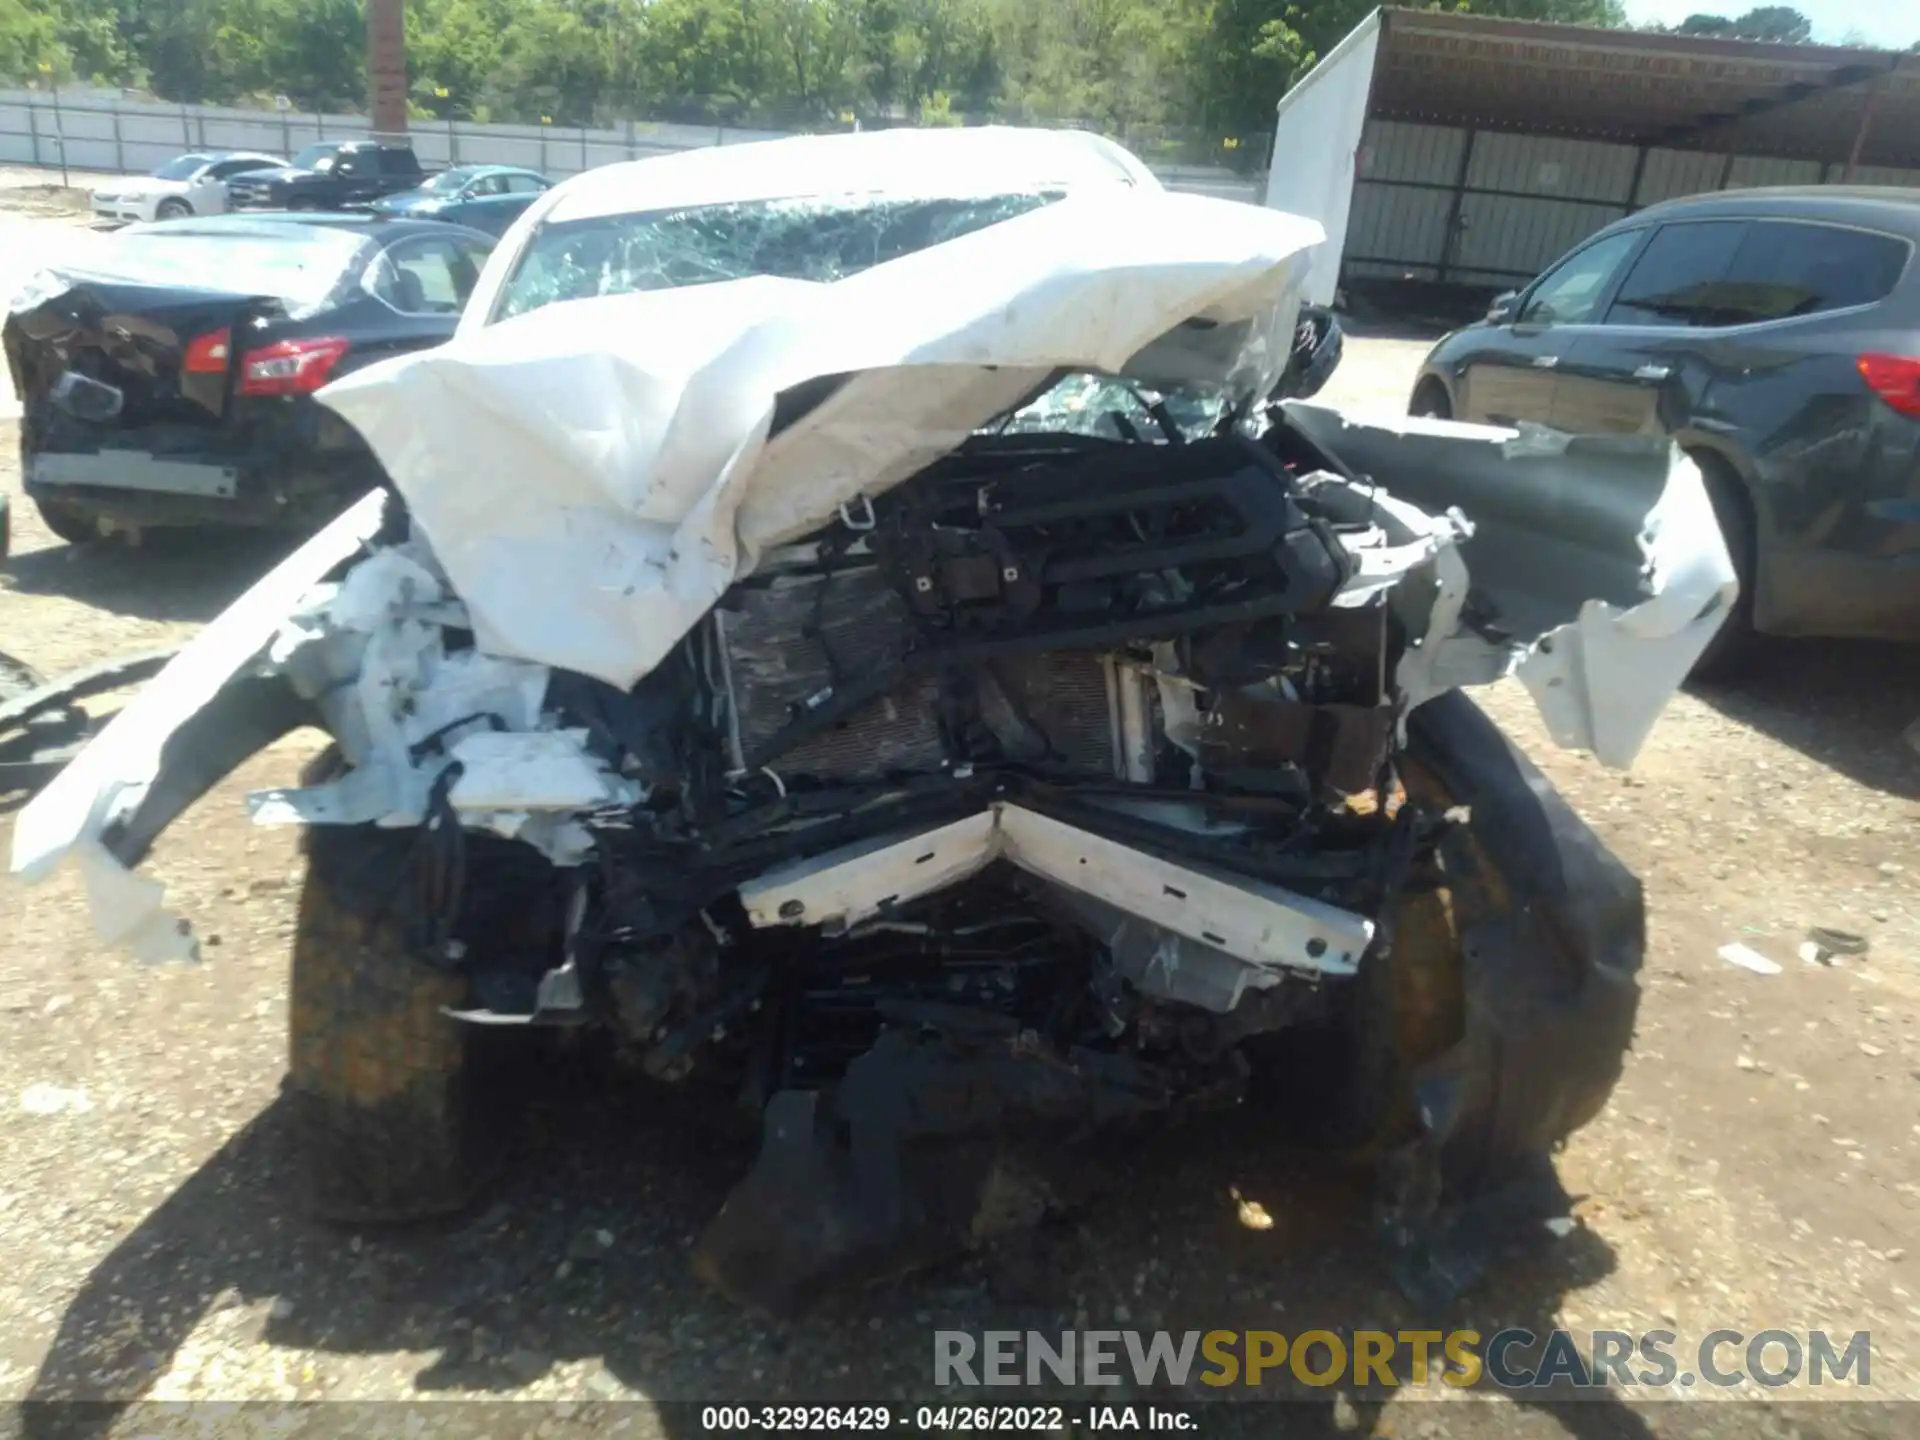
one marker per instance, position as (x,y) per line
(387,67)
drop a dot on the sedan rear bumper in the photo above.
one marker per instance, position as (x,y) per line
(130,489)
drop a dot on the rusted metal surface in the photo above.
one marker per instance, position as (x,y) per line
(387,67)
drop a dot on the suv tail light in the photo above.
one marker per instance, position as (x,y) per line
(291,367)
(207,354)
(1895,379)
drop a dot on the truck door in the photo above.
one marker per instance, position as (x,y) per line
(353,173)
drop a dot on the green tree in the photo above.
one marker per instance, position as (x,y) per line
(1780,23)
(697,60)
(552,66)
(30,38)
(810,48)
(1130,66)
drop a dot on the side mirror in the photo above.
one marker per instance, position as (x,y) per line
(1504,307)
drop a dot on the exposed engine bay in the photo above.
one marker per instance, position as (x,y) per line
(964,728)
(1022,799)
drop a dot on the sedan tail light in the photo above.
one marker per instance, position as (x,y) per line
(1895,379)
(207,354)
(291,367)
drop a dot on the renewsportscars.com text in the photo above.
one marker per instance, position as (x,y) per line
(1511,1359)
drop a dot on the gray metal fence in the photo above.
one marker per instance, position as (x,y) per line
(126,136)
(101,131)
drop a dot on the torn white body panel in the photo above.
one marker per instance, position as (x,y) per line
(1594,566)
(107,781)
(1261,925)
(594,474)
(370,650)
(409,714)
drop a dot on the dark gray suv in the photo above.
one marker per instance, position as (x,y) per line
(1775,334)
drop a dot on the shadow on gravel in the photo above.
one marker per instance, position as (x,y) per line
(1843,703)
(583,1258)
(1391,327)
(191,576)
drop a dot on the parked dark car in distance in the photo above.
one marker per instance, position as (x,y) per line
(486,197)
(1775,335)
(170,382)
(329,175)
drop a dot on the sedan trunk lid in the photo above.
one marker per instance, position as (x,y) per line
(112,355)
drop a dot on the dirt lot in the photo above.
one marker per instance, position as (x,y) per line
(1759,1167)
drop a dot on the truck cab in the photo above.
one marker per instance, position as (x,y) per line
(331,175)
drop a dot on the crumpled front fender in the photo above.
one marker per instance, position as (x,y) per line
(189,727)
(1593,569)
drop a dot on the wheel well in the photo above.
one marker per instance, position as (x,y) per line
(1432,385)
(1724,485)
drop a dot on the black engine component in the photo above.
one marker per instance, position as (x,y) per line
(1029,548)
(1016,547)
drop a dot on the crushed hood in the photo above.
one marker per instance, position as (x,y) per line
(593,475)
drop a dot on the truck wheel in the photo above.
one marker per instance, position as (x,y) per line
(381,1082)
(69,525)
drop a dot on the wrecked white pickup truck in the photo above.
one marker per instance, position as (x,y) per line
(850,616)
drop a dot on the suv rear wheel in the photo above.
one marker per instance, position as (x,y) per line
(1733,645)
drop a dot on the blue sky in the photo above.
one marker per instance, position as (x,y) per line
(1893,23)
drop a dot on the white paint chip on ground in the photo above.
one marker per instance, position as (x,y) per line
(44,1099)
(1747,959)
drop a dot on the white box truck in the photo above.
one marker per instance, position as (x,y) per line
(1316,147)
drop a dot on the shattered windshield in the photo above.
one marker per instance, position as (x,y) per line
(819,238)
(1110,408)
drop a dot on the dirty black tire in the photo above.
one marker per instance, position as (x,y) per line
(172,210)
(1732,648)
(381,1083)
(69,525)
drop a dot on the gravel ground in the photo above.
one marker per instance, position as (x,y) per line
(1759,1166)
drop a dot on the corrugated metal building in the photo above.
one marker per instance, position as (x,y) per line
(1489,147)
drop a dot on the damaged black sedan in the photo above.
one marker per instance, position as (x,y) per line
(169,381)
(935,690)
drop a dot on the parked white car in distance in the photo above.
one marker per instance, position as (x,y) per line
(194,184)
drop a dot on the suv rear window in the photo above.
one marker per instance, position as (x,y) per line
(399,162)
(1743,272)
(1786,268)
(1676,279)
